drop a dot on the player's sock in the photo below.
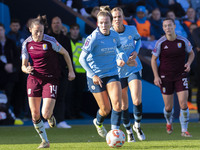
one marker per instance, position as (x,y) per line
(100,119)
(137,112)
(115,119)
(126,121)
(168,116)
(184,118)
(39,127)
(138,117)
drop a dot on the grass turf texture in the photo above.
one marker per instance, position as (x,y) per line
(85,137)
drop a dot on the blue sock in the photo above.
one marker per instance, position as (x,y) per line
(184,118)
(115,119)
(100,119)
(168,116)
(126,119)
(137,112)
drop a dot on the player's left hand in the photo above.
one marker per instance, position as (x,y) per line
(134,54)
(187,67)
(71,76)
(131,61)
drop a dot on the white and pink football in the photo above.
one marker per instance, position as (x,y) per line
(115,138)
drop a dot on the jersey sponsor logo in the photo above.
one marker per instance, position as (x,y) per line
(102,42)
(87,42)
(29,91)
(127,46)
(179,45)
(44,46)
(129,37)
(162,76)
(31,47)
(166,47)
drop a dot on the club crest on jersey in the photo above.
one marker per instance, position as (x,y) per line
(114,40)
(44,46)
(93,87)
(164,90)
(87,42)
(179,45)
(129,37)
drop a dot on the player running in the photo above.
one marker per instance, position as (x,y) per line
(171,76)
(130,76)
(43,74)
(98,58)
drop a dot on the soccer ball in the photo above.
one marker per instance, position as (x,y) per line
(115,138)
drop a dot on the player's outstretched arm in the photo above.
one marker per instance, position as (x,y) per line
(71,75)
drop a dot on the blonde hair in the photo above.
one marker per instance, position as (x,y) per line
(39,20)
(117,9)
(105,11)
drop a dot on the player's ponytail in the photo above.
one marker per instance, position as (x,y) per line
(105,11)
(105,8)
(40,20)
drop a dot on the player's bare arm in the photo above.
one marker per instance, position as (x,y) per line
(190,59)
(71,74)
(157,80)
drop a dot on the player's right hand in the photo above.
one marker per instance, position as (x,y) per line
(97,80)
(29,68)
(157,81)
(71,76)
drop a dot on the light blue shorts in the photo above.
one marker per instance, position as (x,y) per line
(125,81)
(94,88)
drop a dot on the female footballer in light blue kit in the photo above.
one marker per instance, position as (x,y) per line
(98,58)
(130,76)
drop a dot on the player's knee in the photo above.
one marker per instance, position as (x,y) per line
(124,106)
(117,106)
(105,111)
(168,108)
(46,115)
(35,115)
(136,101)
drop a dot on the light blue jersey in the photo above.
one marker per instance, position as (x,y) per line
(128,39)
(98,56)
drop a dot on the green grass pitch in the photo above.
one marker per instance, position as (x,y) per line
(85,137)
